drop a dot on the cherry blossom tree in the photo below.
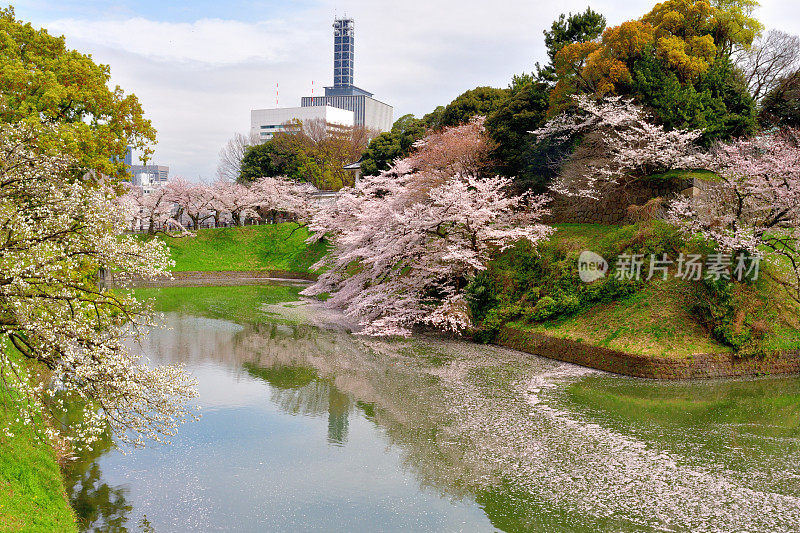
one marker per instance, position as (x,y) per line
(281,195)
(57,233)
(153,211)
(193,200)
(635,146)
(406,242)
(236,200)
(167,206)
(755,205)
(462,149)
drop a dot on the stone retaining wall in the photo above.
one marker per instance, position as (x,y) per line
(701,366)
(613,208)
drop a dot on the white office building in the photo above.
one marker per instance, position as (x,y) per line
(265,123)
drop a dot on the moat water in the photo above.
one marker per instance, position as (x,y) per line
(306,427)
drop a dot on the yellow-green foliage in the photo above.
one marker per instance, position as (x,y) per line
(42,80)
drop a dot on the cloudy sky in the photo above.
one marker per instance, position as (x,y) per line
(200,66)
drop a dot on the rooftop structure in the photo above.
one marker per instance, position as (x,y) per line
(344,104)
(343,52)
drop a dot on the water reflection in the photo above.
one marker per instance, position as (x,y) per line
(314,428)
(299,391)
(96,504)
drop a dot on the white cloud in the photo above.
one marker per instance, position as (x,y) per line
(198,81)
(211,42)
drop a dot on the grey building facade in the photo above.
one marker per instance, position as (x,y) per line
(149,177)
(367,111)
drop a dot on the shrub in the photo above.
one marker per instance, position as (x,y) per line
(728,310)
(537,284)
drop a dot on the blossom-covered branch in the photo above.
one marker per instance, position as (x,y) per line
(635,146)
(56,234)
(755,202)
(405,244)
(180,204)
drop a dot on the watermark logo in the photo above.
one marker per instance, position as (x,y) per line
(591,266)
(691,267)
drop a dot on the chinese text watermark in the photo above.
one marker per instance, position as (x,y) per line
(690,267)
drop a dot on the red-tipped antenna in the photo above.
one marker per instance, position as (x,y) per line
(276,95)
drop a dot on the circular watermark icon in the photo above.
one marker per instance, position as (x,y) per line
(591,266)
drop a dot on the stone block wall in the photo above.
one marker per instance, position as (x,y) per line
(699,366)
(613,208)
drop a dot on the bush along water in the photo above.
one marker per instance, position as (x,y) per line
(536,285)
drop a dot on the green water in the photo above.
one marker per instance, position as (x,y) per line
(308,428)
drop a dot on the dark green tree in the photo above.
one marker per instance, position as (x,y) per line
(781,106)
(433,120)
(516,151)
(478,101)
(391,145)
(568,29)
(270,159)
(717,103)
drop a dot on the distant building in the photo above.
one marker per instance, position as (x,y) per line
(367,111)
(267,122)
(149,177)
(342,96)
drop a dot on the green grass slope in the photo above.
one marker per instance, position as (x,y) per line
(657,320)
(268,247)
(32,495)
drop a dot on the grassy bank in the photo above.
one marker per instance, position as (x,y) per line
(268,247)
(654,318)
(32,495)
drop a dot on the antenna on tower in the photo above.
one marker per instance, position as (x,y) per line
(276,94)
